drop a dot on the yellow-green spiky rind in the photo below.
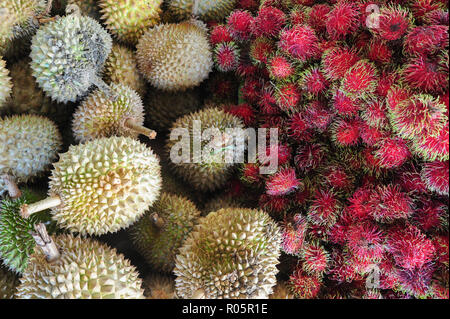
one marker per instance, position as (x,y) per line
(67,55)
(5,83)
(105,185)
(175,57)
(86,269)
(101,116)
(121,68)
(28,145)
(127,20)
(231,253)
(8,283)
(157,286)
(213,171)
(159,245)
(281,291)
(206,9)
(16,242)
(163,108)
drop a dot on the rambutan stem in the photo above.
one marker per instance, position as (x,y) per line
(46,243)
(198,294)
(50,202)
(132,125)
(157,220)
(13,190)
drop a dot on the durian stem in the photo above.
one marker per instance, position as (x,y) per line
(49,202)
(13,190)
(46,243)
(132,125)
(199,294)
(158,221)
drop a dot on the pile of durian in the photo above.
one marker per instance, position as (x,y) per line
(90,205)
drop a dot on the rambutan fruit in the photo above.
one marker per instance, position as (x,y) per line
(298,16)
(416,281)
(358,208)
(426,40)
(438,16)
(337,61)
(274,204)
(379,52)
(343,19)
(345,132)
(342,268)
(360,80)
(313,81)
(260,50)
(268,22)
(246,69)
(396,95)
(283,182)
(288,96)
(432,147)
(343,104)
(219,34)
(300,42)
(386,81)
(420,8)
(425,74)
(388,203)
(375,113)
(266,102)
(315,259)
(394,22)
(304,286)
(280,67)
(298,127)
(310,156)
(441,244)
(336,177)
(244,111)
(282,152)
(250,173)
(250,90)
(293,235)
(392,152)
(318,115)
(324,209)
(411,182)
(318,16)
(239,24)
(366,242)
(436,177)
(226,56)
(433,215)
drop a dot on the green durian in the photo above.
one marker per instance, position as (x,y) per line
(5,83)
(206,9)
(157,286)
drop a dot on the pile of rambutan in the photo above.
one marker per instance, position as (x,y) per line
(359,92)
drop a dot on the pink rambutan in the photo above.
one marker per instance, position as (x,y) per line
(411,181)
(342,268)
(358,208)
(361,79)
(239,24)
(337,178)
(304,286)
(268,22)
(436,177)
(393,22)
(274,204)
(416,281)
(386,81)
(298,16)
(425,74)
(246,69)
(324,209)
(288,96)
(379,52)
(396,95)
(267,102)
(432,147)
(250,90)
(226,56)
(420,8)
(389,203)
(375,113)
(441,245)
(431,216)
(220,34)
(315,259)
(293,235)
(366,242)
(343,104)
(244,111)
(318,16)
(282,152)
(260,50)
(436,17)
(318,115)
(300,42)
(298,127)
(343,19)
(280,68)
(392,152)
(345,132)
(250,173)
(310,156)
(283,182)
(313,81)
(337,61)
(426,40)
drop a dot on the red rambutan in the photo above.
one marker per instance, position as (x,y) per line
(239,24)
(244,111)
(392,152)
(280,68)
(436,177)
(358,209)
(420,8)
(268,22)
(375,113)
(337,178)
(220,34)
(310,156)
(379,52)
(411,182)
(441,244)
(318,115)
(393,23)
(298,127)
(267,102)
(318,16)
(226,56)
(416,281)
(431,216)
(324,209)
(260,50)
(315,259)
(366,242)
(313,81)
(432,147)
(250,173)
(299,41)
(250,90)
(304,286)
(298,16)
(345,132)
(386,81)
(361,79)
(426,40)
(274,204)
(288,96)
(343,104)
(436,17)
(388,203)
(425,74)
(343,19)
(337,61)
(282,183)
(293,235)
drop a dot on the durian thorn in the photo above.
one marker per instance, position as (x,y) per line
(46,243)
(199,294)
(132,125)
(102,86)
(13,190)
(49,202)
(157,220)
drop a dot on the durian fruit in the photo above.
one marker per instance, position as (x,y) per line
(28,145)
(101,116)
(16,242)
(5,83)
(211,170)
(127,20)
(163,108)
(175,57)
(219,202)
(87,7)
(281,291)
(67,55)
(231,253)
(101,186)
(8,283)
(173,185)
(86,269)
(205,10)
(121,67)
(159,234)
(157,286)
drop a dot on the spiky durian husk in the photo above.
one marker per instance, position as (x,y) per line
(16,242)
(121,68)
(8,283)
(86,269)
(175,56)
(104,185)
(231,253)
(173,185)
(101,116)
(5,83)
(163,108)
(206,10)
(158,286)
(127,20)
(28,145)
(219,202)
(67,55)
(212,172)
(159,245)
(281,291)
